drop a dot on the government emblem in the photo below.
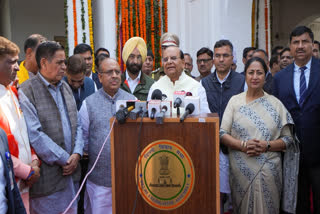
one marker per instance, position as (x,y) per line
(165,175)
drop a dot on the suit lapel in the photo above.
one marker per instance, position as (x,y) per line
(290,85)
(314,77)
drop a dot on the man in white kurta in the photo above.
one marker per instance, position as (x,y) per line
(176,80)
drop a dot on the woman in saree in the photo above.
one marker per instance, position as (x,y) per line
(256,127)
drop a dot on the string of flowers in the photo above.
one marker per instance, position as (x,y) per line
(83,22)
(144,18)
(66,48)
(91,30)
(75,23)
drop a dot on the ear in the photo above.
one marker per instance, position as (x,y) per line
(100,77)
(29,51)
(43,63)
(243,61)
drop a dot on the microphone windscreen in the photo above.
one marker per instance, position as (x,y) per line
(190,107)
(156,95)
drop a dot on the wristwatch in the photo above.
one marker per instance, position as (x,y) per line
(268,146)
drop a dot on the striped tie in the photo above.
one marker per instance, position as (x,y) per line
(303,86)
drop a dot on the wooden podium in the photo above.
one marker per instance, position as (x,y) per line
(198,136)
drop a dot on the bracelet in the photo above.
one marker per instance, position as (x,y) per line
(241,144)
(30,174)
(245,144)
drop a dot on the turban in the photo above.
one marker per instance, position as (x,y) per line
(131,44)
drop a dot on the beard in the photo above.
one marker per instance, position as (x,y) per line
(133,68)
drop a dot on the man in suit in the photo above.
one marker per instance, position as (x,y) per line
(10,199)
(298,86)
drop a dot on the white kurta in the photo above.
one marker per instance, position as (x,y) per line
(184,83)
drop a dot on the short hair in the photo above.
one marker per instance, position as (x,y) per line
(223,42)
(284,50)
(187,54)
(247,50)
(263,51)
(275,49)
(100,49)
(205,50)
(47,50)
(149,53)
(76,65)
(99,59)
(82,48)
(298,31)
(318,43)
(256,59)
(274,59)
(181,54)
(8,47)
(33,40)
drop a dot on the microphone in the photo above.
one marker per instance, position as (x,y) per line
(153,108)
(140,109)
(123,113)
(156,95)
(189,110)
(178,97)
(165,111)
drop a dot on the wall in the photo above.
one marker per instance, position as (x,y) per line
(37,16)
(288,14)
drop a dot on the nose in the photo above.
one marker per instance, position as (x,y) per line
(16,67)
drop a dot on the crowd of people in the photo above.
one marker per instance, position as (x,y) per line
(53,114)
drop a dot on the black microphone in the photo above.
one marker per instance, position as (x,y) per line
(153,112)
(160,115)
(177,102)
(189,109)
(156,95)
(123,113)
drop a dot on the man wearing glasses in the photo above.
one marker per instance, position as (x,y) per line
(220,86)
(95,114)
(204,62)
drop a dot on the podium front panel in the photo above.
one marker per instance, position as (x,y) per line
(198,136)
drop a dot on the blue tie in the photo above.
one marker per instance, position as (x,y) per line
(303,86)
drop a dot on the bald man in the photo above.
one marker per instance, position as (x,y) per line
(95,111)
(133,80)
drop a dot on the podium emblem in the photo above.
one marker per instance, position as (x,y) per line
(165,175)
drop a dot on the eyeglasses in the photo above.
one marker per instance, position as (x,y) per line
(222,55)
(199,61)
(110,72)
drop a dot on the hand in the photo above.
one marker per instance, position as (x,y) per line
(35,163)
(252,147)
(262,146)
(72,164)
(35,177)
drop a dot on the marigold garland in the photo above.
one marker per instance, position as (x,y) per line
(91,31)
(147,19)
(75,23)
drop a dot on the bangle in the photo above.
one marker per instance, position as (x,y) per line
(245,144)
(241,144)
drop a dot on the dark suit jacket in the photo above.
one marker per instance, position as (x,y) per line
(306,118)
(15,204)
(95,78)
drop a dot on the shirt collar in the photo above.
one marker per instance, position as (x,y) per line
(108,96)
(308,65)
(49,85)
(226,77)
(129,78)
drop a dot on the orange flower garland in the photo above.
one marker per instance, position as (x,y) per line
(152,27)
(75,30)
(165,15)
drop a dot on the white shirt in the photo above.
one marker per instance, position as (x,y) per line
(184,83)
(296,78)
(132,83)
(225,78)
(3,183)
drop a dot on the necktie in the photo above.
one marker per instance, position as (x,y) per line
(303,85)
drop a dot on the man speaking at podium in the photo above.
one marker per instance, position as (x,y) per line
(176,80)
(95,114)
